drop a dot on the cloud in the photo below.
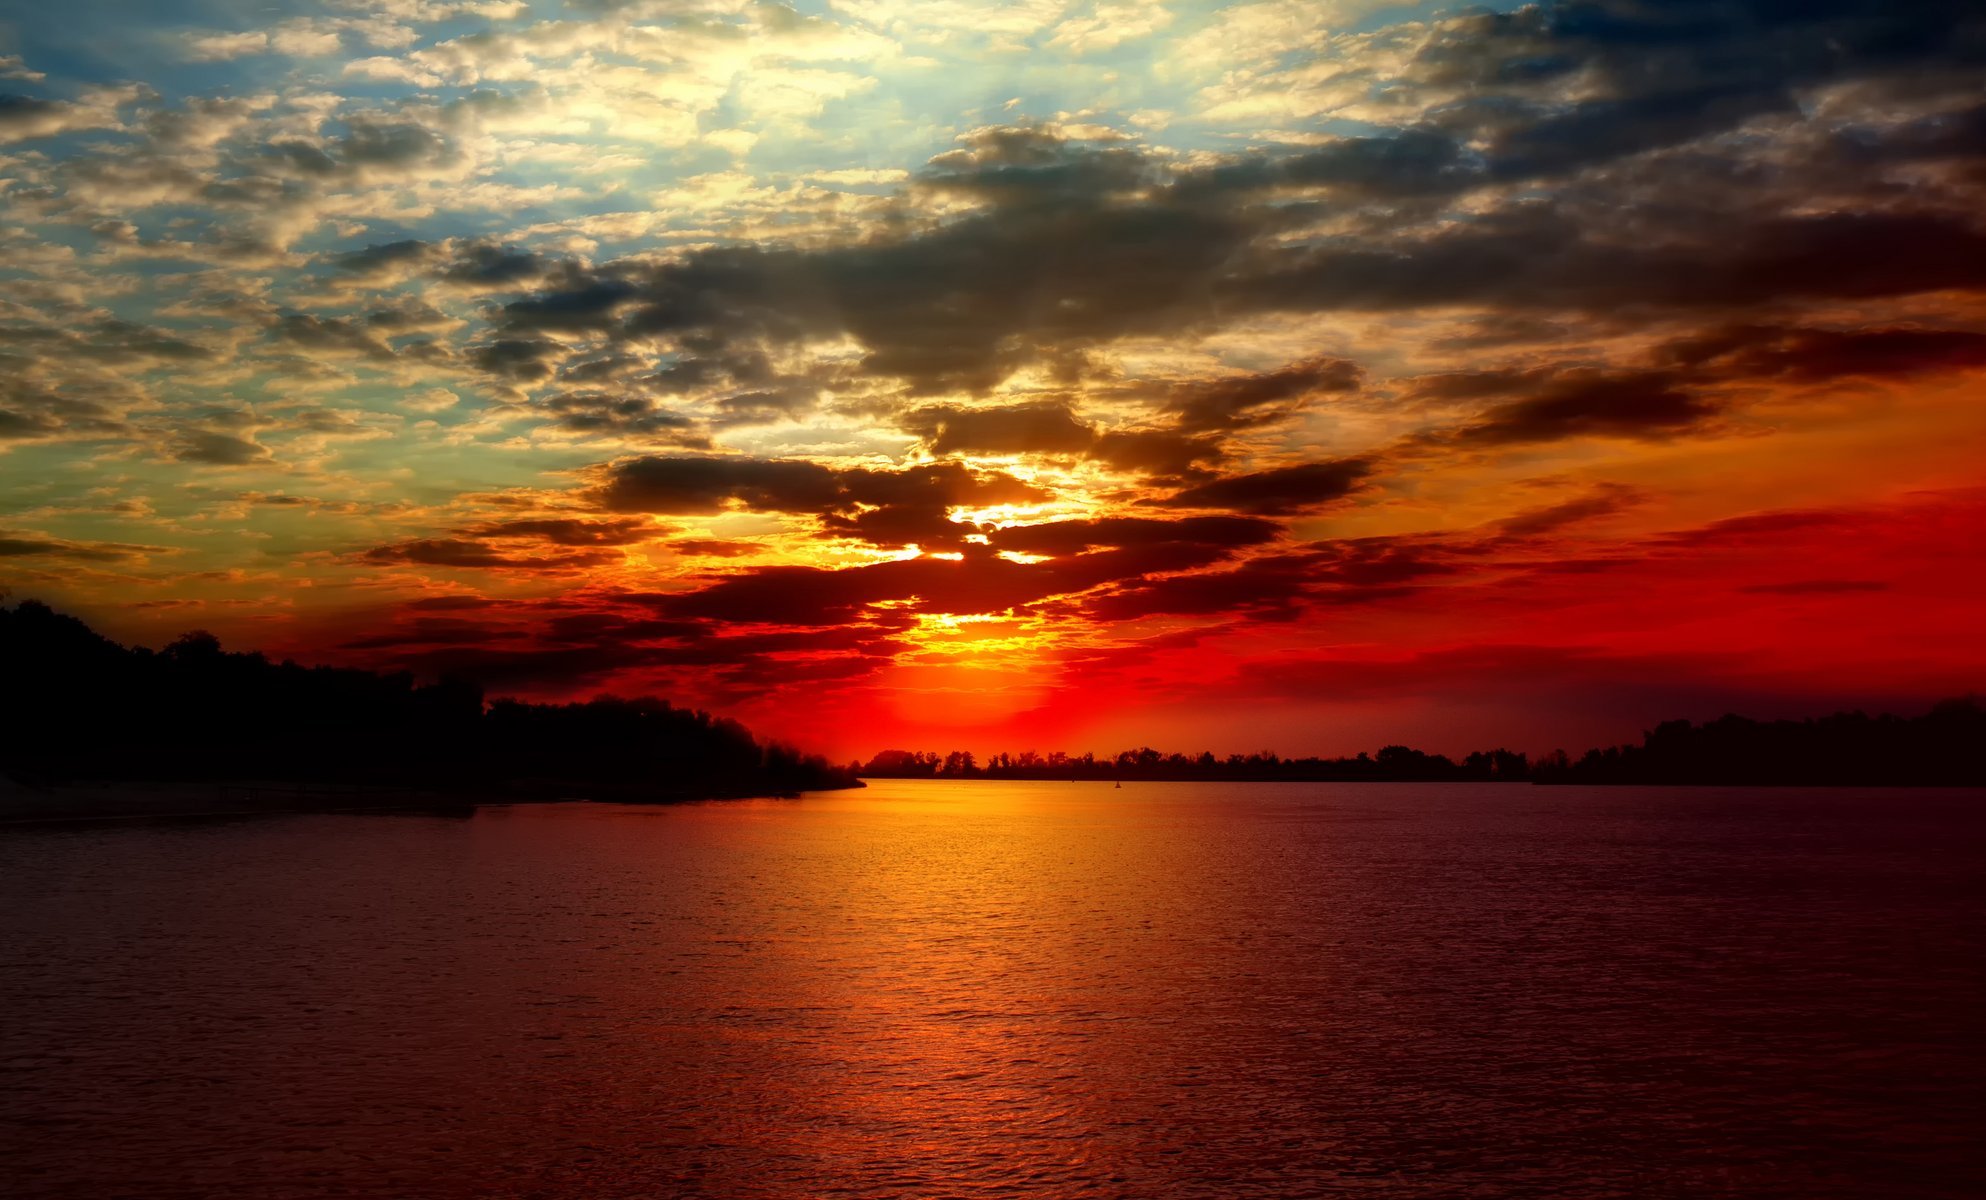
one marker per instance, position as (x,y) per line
(12,67)
(1555,405)
(26,117)
(1813,355)
(1239,402)
(472,554)
(1157,452)
(568,531)
(887,507)
(1075,537)
(1280,491)
(977,583)
(1044,428)
(213,448)
(624,416)
(1604,501)
(381,259)
(695,484)
(24,545)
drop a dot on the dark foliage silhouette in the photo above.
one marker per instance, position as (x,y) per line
(1391,764)
(1947,747)
(76,705)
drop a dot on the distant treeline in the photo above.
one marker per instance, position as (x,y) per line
(1394,763)
(1946,746)
(75,705)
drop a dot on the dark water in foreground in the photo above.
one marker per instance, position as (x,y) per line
(928,990)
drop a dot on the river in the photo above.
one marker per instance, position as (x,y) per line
(931,989)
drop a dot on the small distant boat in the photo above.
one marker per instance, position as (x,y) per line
(1120,783)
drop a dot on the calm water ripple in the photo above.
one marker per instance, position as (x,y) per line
(976,990)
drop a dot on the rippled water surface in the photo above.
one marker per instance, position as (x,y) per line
(984,989)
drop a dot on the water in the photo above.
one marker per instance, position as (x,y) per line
(936,990)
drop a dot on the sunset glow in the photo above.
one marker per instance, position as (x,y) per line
(1060,375)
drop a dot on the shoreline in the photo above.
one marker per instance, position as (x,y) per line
(97,801)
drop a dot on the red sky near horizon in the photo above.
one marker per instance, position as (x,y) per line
(1270,375)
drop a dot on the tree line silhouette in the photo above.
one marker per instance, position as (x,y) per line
(1391,764)
(76,705)
(1946,746)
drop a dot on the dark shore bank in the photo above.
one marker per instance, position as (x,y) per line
(93,729)
(127,800)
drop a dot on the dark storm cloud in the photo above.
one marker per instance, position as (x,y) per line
(1280,491)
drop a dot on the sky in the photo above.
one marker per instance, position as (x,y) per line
(942,373)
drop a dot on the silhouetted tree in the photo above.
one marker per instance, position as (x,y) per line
(77,705)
